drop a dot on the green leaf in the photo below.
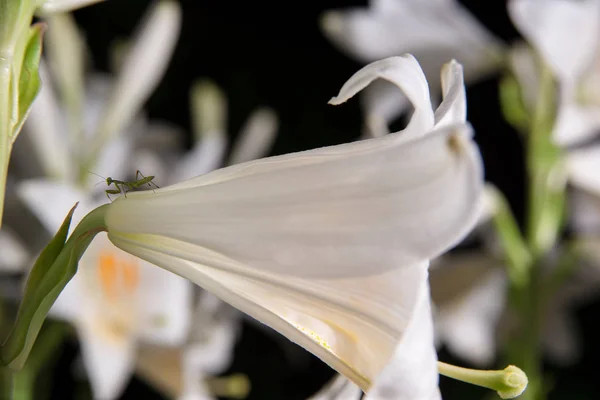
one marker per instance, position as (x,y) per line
(19,343)
(29,78)
(51,273)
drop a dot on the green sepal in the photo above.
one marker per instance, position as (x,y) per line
(51,273)
(29,78)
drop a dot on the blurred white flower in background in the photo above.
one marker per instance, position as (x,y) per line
(434,31)
(566,36)
(330,247)
(112,301)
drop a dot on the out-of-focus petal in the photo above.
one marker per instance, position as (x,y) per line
(13,254)
(404,72)
(564,32)
(204,157)
(338,388)
(164,318)
(412,372)
(256,136)
(208,110)
(109,361)
(389,29)
(66,51)
(143,67)
(56,6)
(51,200)
(43,126)
(467,324)
(583,166)
(576,123)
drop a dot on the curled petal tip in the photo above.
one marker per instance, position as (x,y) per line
(337,100)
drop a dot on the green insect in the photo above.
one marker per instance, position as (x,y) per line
(122,187)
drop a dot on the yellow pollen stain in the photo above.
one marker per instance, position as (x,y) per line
(117,276)
(314,336)
(107,271)
(131,276)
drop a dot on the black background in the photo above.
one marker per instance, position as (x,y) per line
(273,53)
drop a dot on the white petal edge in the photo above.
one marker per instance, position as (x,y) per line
(256,136)
(344,210)
(351,324)
(144,65)
(405,72)
(564,32)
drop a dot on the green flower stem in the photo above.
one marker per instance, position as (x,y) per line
(508,383)
(5,125)
(542,227)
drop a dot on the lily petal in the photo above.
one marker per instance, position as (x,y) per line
(13,254)
(44,129)
(165,319)
(143,67)
(583,166)
(204,157)
(109,363)
(351,324)
(467,324)
(256,136)
(412,372)
(50,201)
(564,32)
(404,72)
(576,123)
(454,106)
(383,203)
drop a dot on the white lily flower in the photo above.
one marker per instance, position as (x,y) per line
(112,300)
(566,34)
(328,246)
(434,31)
